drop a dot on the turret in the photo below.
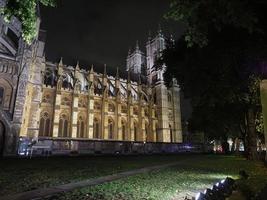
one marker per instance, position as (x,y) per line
(60,67)
(117,79)
(135,60)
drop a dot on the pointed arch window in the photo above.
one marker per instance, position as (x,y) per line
(135,111)
(63,130)
(123,129)
(169,97)
(110,129)
(111,107)
(97,106)
(135,131)
(146,112)
(155,98)
(49,78)
(80,127)
(96,131)
(124,108)
(45,124)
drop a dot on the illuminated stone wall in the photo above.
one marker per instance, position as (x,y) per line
(263,90)
(54,100)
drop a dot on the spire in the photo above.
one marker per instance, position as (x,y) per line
(61,61)
(129,51)
(137,45)
(60,66)
(129,76)
(117,73)
(159,29)
(105,70)
(77,66)
(149,35)
(92,69)
(91,74)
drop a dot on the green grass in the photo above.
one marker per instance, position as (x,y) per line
(194,175)
(18,175)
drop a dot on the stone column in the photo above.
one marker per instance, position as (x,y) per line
(130,131)
(90,105)
(163,118)
(177,124)
(118,129)
(74,118)
(104,118)
(142,132)
(56,113)
(90,115)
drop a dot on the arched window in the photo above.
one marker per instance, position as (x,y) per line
(171,139)
(97,106)
(135,111)
(80,127)
(48,78)
(82,103)
(169,97)
(111,107)
(96,128)
(44,126)
(5,94)
(124,108)
(63,130)
(123,129)
(66,101)
(110,129)
(135,131)
(66,82)
(155,98)
(155,112)
(146,112)
(47,98)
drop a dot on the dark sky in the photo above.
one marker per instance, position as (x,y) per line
(101,31)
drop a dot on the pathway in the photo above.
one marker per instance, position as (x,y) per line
(47,192)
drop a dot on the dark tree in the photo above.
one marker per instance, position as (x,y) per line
(218,64)
(25,11)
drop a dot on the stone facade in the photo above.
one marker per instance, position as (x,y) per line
(44,100)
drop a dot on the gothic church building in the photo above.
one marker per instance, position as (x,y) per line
(65,107)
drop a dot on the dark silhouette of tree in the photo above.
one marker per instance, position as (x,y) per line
(218,63)
(26,12)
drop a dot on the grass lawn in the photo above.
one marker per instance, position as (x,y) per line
(194,175)
(19,175)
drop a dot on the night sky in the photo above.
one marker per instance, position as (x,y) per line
(101,31)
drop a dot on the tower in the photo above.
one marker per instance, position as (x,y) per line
(135,60)
(154,48)
(20,84)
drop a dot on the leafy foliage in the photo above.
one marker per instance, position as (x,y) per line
(203,16)
(25,11)
(220,63)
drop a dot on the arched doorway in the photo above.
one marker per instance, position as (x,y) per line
(2,138)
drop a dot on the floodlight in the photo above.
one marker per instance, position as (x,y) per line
(200,196)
